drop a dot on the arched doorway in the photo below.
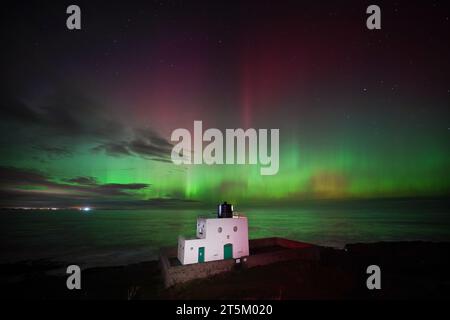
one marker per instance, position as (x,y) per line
(228,251)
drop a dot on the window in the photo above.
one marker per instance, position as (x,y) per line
(219,230)
(235,229)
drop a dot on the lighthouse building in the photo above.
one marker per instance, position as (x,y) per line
(222,237)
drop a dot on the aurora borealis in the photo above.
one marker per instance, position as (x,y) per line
(86,116)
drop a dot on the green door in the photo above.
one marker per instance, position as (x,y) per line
(201,254)
(228,251)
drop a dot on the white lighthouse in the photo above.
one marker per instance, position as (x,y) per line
(224,237)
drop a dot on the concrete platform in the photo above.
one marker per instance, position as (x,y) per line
(262,252)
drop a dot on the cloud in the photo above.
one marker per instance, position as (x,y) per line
(82,180)
(114,149)
(53,151)
(147,149)
(70,117)
(119,188)
(13,109)
(145,143)
(27,187)
(12,176)
(68,112)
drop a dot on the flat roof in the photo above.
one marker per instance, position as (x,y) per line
(235,216)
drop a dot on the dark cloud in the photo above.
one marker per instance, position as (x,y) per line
(82,180)
(26,187)
(115,189)
(121,186)
(12,176)
(149,144)
(153,138)
(13,109)
(53,151)
(147,149)
(66,113)
(71,114)
(114,149)
(145,143)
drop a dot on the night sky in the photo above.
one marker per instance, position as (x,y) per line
(86,116)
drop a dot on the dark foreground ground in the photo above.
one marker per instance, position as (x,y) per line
(408,270)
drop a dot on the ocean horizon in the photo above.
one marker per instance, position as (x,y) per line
(119,237)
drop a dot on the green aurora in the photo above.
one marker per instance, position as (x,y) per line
(361,114)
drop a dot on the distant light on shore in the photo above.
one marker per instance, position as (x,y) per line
(85,209)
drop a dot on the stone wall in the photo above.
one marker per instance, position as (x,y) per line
(286,250)
(183,273)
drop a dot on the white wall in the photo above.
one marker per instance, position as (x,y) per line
(189,250)
(214,240)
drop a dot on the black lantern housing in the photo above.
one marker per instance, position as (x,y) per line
(225,210)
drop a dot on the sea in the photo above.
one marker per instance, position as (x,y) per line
(119,237)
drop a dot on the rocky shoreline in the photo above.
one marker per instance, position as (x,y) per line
(408,270)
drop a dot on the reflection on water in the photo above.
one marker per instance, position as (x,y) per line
(115,237)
